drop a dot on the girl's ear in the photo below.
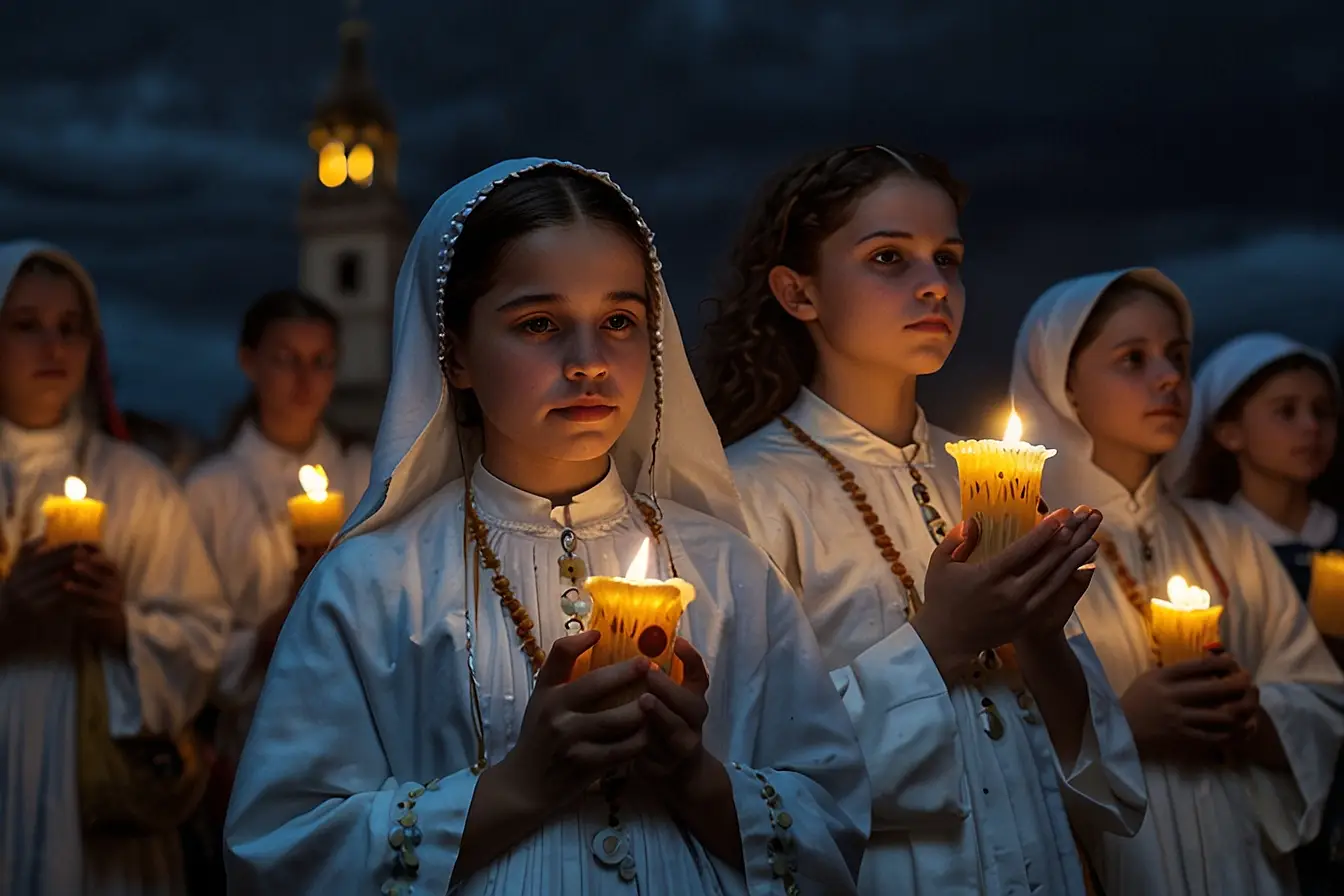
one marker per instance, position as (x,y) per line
(459,377)
(793,291)
(1230,436)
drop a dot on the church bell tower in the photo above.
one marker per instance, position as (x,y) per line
(353,230)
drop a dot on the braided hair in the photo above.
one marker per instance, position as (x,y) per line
(756,355)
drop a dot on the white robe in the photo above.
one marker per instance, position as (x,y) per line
(379,631)
(953,811)
(1213,830)
(176,621)
(239,501)
(1218,829)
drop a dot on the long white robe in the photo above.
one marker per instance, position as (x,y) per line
(953,811)
(176,622)
(1211,830)
(238,499)
(379,632)
(1226,828)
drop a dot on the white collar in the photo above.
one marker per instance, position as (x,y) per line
(502,504)
(1317,532)
(842,435)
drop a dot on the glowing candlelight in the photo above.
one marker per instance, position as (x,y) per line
(637,616)
(317,514)
(73,518)
(1185,624)
(1326,597)
(1000,486)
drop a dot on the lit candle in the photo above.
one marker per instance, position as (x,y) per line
(1326,598)
(317,514)
(1000,486)
(73,518)
(637,616)
(1184,625)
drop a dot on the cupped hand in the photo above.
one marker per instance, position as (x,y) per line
(563,745)
(1189,708)
(973,607)
(677,713)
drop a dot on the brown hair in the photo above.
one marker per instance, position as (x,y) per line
(757,356)
(548,196)
(1214,473)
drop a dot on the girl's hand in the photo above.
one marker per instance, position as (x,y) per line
(971,608)
(1190,707)
(96,593)
(677,713)
(564,747)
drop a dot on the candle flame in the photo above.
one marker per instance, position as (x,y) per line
(75,489)
(314,481)
(1012,433)
(1184,596)
(639,567)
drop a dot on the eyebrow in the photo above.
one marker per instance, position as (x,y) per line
(902,235)
(535,300)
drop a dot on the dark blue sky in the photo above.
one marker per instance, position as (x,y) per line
(164,143)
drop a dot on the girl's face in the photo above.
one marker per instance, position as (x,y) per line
(1287,429)
(293,368)
(557,351)
(1131,385)
(887,293)
(45,341)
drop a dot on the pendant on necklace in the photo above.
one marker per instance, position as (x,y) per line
(993,722)
(572,569)
(611,846)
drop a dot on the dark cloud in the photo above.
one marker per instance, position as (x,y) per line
(165,143)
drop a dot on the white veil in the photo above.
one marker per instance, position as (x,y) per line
(417,451)
(1040,381)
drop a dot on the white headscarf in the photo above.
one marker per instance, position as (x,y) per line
(14,256)
(417,451)
(1220,376)
(1040,382)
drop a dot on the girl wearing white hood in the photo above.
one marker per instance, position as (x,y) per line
(106,651)
(1238,747)
(1262,431)
(845,289)
(539,383)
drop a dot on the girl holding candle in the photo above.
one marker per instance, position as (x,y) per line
(142,603)
(240,498)
(844,290)
(1238,747)
(1263,429)
(542,424)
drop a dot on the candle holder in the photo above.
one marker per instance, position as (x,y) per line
(73,518)
(636,617)
(1000,487)
(1184,625)
(1325,600)
(316,515)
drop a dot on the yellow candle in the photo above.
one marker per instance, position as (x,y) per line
(1000,486)
(317,514)
(1326,598)
(637,617)
(1184,625)
(73,518)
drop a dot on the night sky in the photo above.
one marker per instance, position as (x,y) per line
(165,143)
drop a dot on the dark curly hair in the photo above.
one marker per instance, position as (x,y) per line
(1214,473)
(756,355)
